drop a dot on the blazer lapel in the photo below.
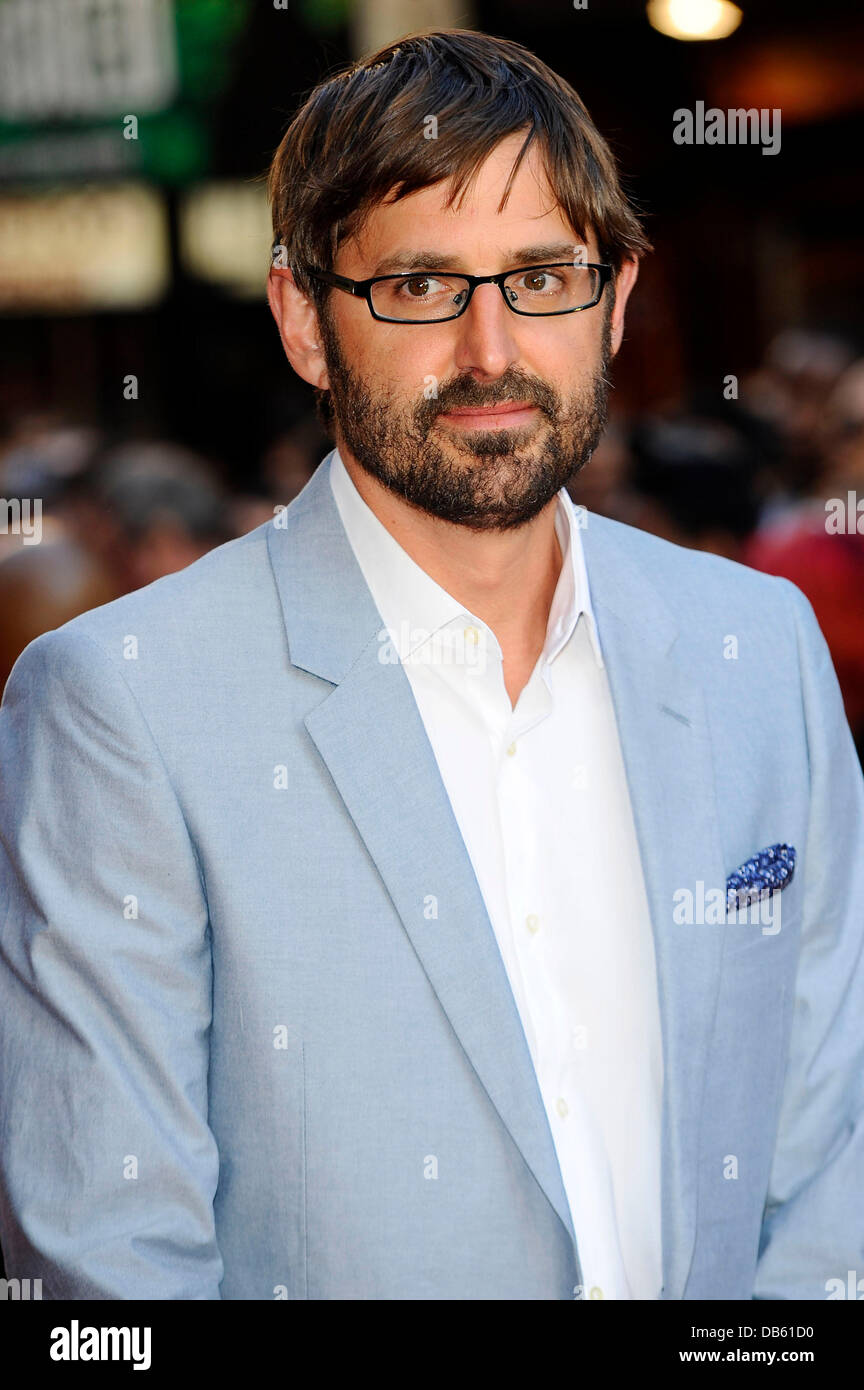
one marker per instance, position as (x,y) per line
(666,747)
(369,733)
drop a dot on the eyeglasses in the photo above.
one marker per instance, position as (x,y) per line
(427,296)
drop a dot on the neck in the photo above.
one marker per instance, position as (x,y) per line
(506,578)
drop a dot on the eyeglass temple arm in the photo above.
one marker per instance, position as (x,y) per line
(328,276)
(340,282)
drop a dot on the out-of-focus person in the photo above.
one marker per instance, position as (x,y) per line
(151,508)
(693,483)
(118,520)
(818,545)
(789,392)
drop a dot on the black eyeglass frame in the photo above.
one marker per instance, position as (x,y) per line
(363,288)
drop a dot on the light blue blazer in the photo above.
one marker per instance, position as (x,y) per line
(239,1058)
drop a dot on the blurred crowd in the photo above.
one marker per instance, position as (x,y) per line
(116,514)
(767,471)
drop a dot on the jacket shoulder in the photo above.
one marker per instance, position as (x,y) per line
(694,581)
(214,591)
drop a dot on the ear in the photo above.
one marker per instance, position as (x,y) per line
(297,322)
(624,282)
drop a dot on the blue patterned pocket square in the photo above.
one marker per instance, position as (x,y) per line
(767,872)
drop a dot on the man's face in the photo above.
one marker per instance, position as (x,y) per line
(393,385)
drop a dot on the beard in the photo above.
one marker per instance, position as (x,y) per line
(486,480)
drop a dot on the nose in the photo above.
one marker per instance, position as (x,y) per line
(485,338)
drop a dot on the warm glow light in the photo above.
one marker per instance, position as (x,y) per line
(226,234)
(694,19)
(75,250)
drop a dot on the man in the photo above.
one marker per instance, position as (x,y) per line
(347,944)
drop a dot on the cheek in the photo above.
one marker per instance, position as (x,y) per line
(389,360)
(568,338)
(409,364)
(568,355)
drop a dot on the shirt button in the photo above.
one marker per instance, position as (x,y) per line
(596,1292)
(562,1107)
(471,634)
(511,750)
(532,922)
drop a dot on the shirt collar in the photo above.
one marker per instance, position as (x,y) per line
(414,607)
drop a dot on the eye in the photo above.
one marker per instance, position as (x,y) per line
(541,281)
(421,286)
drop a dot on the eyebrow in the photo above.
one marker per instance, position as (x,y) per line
(406,261)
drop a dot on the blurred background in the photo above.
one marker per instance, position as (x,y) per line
(147,412)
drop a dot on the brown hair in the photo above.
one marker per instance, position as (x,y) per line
(358,140)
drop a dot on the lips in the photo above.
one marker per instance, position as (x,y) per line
(507,415)
(505,408)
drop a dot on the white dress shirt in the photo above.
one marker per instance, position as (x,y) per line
(540,795)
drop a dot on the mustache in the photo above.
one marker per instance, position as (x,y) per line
(473,394)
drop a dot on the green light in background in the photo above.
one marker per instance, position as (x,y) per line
(326,14)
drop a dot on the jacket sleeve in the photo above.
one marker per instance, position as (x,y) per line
(108,1168)
(813,1223)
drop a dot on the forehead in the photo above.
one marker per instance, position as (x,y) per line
(475,225)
